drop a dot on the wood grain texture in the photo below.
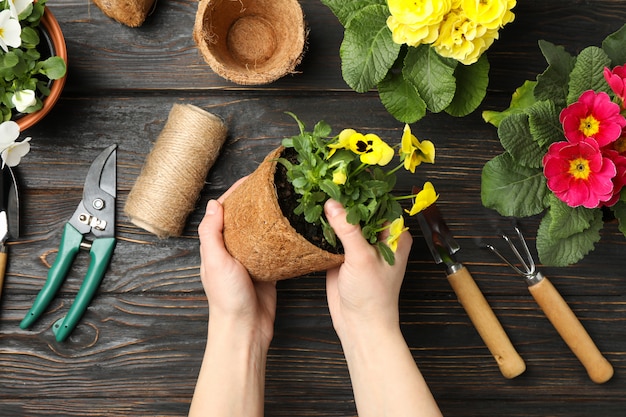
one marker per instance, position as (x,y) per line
(138,349)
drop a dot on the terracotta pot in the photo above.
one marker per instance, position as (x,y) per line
(258,234)
(50,25)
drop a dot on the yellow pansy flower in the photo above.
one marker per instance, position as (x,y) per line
(343,141)
(413,152)
(372,149)
(340,176)
(395,231)
(423,199)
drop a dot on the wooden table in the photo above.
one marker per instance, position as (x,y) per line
(137,351)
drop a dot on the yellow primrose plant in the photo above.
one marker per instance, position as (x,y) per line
(26,69)
(420,55)
(350,168)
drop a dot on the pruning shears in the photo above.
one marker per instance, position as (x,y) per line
(94,218)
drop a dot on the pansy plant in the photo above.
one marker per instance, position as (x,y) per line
(351,168)
(564,137)
(25,72)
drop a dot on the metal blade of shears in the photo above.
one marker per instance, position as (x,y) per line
(99,194)
(9,215)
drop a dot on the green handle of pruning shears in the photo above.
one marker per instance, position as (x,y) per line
(70,244)
(100,252)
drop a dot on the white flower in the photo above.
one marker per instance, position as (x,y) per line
(10,31)
(18,6)
(12,151)
(23,99)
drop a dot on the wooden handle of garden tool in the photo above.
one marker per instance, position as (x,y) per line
(482,316)
(3,266)
(571,330)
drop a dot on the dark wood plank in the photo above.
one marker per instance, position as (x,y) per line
(138,349)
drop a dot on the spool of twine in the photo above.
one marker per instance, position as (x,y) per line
(174,173)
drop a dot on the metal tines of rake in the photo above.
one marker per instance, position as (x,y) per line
(525,265)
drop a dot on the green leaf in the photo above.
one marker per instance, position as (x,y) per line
(552,83)
(29,37)
(53,67)
(588,73)
(555,251)
(516,139)
(322,129)
(566,221)
(512,189)
(386,253)
(401,99)
(613,46)
(312,213)
(545,127)
(331,189)
(522,98)
(619,210)
(344,10)
(367,51)
(432,75)
(356,213)
(471,87)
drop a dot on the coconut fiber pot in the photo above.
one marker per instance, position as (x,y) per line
(250,41)
(258,234)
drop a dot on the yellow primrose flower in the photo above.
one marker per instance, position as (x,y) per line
(463,39)
(416,22)
(413,152)
(372,149)
(492,14)
(395,231)
(343,141)
(423,199)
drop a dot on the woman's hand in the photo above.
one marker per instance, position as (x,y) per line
(241,325)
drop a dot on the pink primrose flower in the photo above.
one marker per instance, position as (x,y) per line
(594,115)
(578,174)
(617,81)
(620,178)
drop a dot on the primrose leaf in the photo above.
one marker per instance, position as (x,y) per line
(512,189)
(555,251)
(619,210)
(545,127)
(367,51)
(566,221)
(522,98)
(471,87)
(432,75)
(588,73)
(613,46)
(344,10)
(401,98)
(517,140)
(552,83)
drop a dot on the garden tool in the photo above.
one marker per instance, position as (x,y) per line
(9,216)
(443,247)
(558,311)
(93,218)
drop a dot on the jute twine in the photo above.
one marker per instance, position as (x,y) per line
(174,173)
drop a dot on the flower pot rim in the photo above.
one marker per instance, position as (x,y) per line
(50,24)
